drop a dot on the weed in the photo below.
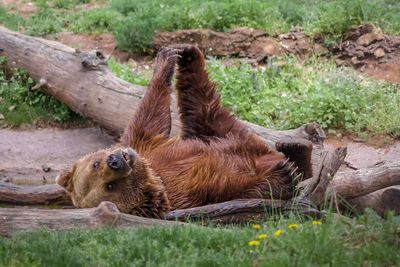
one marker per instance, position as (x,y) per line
(125,72)
(286,95)
(12,21)
(96,21)
(22,106)
(45,21)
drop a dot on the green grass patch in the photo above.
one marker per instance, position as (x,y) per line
(96,21)
(21,106)
(134,23)
(365,241)
(286,94)
(125,72)
(45,21)
(143,19)
(12,21)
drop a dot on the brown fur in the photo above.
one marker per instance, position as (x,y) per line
(215,159)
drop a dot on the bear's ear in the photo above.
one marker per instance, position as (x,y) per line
(65,179)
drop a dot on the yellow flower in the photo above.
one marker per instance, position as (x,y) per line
(293,226)
(256,226)
(278,233)
(262,236)
(316,222)
(254,243)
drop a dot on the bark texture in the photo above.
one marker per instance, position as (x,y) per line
(106,214)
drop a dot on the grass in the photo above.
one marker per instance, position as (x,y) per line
(364,241)
(134,23)
(143,19)
(287,94)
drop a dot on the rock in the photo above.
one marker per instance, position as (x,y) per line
(271,49)
(1,117)
(12,108)
(369,38)
(378,53)
(320,50)
(46,168)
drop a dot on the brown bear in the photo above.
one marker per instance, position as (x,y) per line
(215,159)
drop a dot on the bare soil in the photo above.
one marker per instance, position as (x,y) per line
(254,45)
(26,156)
(104,42)
(366,48)
(370,51)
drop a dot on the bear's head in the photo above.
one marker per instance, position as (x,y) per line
(117,175)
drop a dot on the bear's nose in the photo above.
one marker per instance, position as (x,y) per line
(114,162)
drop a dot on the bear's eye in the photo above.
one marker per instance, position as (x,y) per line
(110,186)
(96,165)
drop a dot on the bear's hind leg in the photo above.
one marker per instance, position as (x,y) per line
(297,151)
(153,116)
(201,113)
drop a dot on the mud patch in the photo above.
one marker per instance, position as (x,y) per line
(248,43)
(37,156)
(370,51)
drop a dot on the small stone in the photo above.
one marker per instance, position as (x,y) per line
(378,53)
(12,108)
(1,117)
(46,168)
(320,50)
(369,38)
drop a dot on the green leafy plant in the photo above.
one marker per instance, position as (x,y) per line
(286,95)
(98,20)
(22,106)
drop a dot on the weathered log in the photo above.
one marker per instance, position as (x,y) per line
(352,184)
(381,201)
(106,214)
(83,82)
(316,187)
(51,194)
(241,210)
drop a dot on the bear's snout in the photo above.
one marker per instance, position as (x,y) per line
(115,162)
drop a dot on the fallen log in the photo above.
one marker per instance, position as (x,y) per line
(381,201)
(51,194)
(106,214)
(82,81)
(352,184)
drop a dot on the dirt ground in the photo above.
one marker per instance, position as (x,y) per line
(366,47)
(37,156)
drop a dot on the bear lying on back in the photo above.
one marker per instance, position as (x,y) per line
(215,159)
